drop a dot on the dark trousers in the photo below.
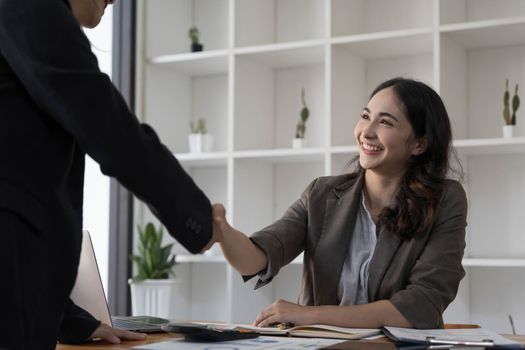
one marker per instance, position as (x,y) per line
(38,272)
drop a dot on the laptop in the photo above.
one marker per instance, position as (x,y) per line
(88,293)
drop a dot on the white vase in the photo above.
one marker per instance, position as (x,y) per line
(508,131)
(199,143)
(298,143)
(152,297)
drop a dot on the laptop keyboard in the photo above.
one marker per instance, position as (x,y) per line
(132,324)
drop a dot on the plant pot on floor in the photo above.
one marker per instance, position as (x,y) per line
(508,131)
(152,297)
(199,143)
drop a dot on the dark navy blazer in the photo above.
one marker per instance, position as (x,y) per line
(56,107)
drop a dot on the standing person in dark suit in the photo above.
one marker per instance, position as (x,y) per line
(56,106)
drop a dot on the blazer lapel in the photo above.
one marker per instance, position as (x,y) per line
(332,248)
(386,248)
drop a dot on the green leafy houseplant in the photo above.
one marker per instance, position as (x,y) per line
(154,260)
(194,34)
(305,113)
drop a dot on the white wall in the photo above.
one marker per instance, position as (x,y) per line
(96,185)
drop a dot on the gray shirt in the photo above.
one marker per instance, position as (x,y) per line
(353,283)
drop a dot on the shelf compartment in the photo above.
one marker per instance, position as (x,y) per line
(472,85)
(263,191)
(460,11)
(174,99)
(367,16)
(259,22)
(267,112)
(167,24)
(195,64)
(355,76)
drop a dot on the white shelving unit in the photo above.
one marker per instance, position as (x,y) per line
(257,56)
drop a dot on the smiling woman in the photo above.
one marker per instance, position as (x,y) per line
(382,245)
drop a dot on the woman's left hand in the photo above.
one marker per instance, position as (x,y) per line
(283,311)
(114,335)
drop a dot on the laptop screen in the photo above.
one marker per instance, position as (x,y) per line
(88,292)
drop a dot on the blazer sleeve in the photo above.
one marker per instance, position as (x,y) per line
(77,324)
(285,239)
(46,48)
(434,279)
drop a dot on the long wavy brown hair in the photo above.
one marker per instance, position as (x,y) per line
(416,201)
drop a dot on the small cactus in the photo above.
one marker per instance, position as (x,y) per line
(199,127)
(506,109)
(515,105)
(193,33)
(305,113)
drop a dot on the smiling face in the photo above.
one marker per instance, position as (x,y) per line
(385,137)
(89,12)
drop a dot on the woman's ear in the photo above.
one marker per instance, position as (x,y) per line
(421,146)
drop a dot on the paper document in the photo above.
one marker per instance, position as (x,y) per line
(270,343)
(461,336)
(307,331)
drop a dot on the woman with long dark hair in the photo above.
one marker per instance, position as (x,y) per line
(382,245)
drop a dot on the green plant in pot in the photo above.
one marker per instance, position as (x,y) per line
(194,34)
(152,287)
(199,140)
(300,129)
(154,260)
(510,119)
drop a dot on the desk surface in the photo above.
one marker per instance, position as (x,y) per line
(153,338)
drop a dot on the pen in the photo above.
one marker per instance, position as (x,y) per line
(485,342)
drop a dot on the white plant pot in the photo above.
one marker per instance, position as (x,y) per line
(200,143)
(152,297)
(298,143)
(508,131)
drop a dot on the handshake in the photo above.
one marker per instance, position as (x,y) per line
(220,225)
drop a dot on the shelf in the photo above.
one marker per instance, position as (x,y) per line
(388,44)
(203,159)
(467,262)
(195,63)
(485,34)
(282,155)
(492,262)
(515,145)
(300,53)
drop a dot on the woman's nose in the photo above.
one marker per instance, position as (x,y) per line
(369,130)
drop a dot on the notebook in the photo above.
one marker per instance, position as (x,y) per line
(88,293)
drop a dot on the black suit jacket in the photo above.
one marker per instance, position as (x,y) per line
(56,106)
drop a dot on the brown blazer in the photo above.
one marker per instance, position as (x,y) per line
(420,276)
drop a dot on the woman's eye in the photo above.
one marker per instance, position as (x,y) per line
(386,122)
(365,116)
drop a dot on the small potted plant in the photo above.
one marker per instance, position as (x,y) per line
(298,141)
(193,33)
(199,139)
(510,119)
(153,286)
